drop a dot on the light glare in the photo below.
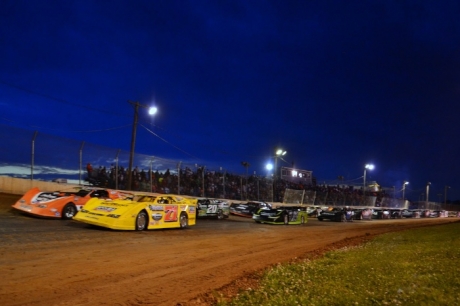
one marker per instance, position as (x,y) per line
(153,110)
(370,167)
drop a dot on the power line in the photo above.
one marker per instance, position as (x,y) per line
(165,141)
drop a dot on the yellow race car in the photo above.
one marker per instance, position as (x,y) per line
(141,213)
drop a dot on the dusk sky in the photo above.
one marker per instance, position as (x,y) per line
(337,84)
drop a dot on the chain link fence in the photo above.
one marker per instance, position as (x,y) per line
(40,156)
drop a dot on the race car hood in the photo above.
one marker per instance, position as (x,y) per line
(108,207)
(35,196)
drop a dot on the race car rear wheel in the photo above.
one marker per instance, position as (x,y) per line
(69,211)
(183,220)
(220,214)
(141,221)
(286,219)
(302,220)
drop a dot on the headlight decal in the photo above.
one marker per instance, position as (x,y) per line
(113,216)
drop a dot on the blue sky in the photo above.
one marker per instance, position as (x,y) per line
(338,84)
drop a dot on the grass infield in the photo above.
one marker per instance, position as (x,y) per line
(414,267)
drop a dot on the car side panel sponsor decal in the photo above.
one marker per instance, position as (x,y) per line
(171,213)
(105,208)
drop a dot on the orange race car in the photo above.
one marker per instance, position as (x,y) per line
(63,204)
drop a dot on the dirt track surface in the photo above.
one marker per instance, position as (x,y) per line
(55,262)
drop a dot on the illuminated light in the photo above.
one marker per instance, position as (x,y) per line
(269,167)
(294,173)
(370,167)
(280,152)
(153,110)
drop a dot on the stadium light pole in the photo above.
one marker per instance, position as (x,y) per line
(278,154)
(404,189)
(152,111)
(269,168)
(366,167)
(427,194)
(445,195)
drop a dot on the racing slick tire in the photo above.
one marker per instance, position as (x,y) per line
(220,214)
(183,221)
(69,211)
(302,220)
(320,219)
(141,221)
(286,219)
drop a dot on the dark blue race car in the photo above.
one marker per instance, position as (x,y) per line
(337,214)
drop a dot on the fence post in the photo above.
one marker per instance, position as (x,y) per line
(241,185)
(273,189)
(81,161)
(33,156)
(204,193)
(223,181)
(151,182)
(178,177)
(116,169)
(258,190)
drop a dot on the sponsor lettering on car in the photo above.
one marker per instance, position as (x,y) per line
(25,207)
(157,216)
(105,208)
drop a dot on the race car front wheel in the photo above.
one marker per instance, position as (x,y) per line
(286,219)
(183,220)
(220,214)
(69,211)
(141,221)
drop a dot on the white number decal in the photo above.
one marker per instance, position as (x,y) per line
(212,209)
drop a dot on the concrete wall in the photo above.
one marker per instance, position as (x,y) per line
(20,186)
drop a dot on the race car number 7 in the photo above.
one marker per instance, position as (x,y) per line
(170,213)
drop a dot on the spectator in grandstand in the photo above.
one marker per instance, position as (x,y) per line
(89,169)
